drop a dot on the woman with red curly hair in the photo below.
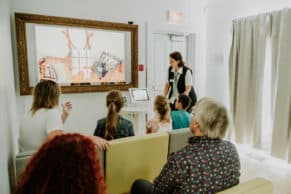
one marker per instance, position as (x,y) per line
(67,164)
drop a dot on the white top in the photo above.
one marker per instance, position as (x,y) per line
(34,128)
(156,126)
(188,82)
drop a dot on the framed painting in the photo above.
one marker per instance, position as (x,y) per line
(81,55)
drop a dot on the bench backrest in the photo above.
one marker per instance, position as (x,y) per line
(21,161)
(23,158)
(128,159)
(179,139)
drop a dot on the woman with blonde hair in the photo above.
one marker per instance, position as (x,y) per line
(114,126)
(162,120)
(44,120)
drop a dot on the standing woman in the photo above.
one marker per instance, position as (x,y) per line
(44,120)
(179,81)
(114,126)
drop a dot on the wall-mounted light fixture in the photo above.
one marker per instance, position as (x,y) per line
(176,17)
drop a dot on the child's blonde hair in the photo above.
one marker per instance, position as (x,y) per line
(161,105)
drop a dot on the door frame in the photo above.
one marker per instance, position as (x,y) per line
(150,31)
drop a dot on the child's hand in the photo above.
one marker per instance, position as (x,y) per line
(152,126)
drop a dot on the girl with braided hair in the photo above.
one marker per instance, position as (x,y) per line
(114,126)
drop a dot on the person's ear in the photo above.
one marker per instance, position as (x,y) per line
(181,106)
(197,126)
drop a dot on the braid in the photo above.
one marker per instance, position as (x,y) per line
(114,103)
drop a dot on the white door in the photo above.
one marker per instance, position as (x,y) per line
(178,43)
(190,60)
(161,50)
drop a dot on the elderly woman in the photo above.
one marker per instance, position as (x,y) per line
(207,164)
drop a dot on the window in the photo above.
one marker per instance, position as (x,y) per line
(266,119)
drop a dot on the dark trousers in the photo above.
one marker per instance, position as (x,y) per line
(141,186)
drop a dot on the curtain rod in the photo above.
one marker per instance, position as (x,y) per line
(260,14)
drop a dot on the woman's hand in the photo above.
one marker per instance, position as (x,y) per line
(101,143)
(187,90)
(67,107)
(166,89)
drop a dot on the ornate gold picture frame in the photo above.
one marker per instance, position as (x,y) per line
(81,55)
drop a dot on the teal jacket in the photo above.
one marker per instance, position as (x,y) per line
(180,119)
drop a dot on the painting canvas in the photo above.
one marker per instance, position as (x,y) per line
(82,55)
(79,55)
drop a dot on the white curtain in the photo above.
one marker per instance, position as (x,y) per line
(246,68)
(280,22)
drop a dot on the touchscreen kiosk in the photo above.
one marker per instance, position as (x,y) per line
(139,95)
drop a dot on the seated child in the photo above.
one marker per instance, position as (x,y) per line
(114,126)
(162,120)
(180,117)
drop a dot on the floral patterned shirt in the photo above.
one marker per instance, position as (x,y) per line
(204,166)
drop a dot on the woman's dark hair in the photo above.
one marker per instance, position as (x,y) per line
(114,102)
(178,57)
(67,164)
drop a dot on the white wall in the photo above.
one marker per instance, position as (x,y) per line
(219,20)
(88,107)
(8,119)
